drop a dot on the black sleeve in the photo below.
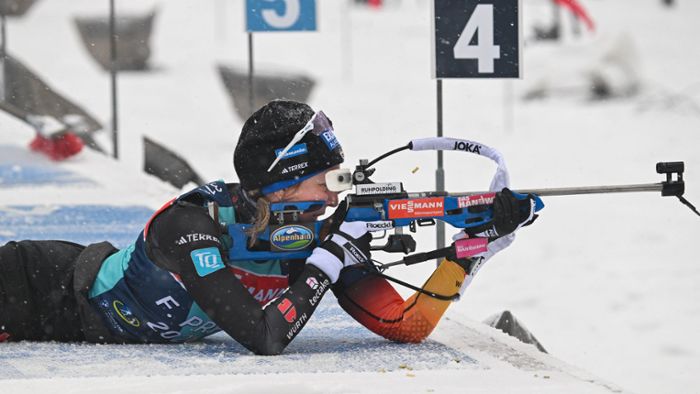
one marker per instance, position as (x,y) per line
(183,229)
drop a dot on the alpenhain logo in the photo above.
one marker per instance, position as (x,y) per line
(417,208)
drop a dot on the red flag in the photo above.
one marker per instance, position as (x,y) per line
(58,147)
(375,3)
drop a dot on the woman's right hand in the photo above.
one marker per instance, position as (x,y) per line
(348,245)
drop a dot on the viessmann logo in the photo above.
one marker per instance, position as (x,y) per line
(292,237)
(416,208)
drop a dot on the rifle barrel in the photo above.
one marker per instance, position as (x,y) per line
(569,191)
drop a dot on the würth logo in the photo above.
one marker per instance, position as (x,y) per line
(288,310)
(416,208)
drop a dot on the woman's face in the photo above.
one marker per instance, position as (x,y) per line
(312,189)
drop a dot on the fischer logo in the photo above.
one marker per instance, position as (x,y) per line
(419,207)
(294,329)
(319,292)
(467,147)
(478,199)
(288,310)
(380,226)
(378,188)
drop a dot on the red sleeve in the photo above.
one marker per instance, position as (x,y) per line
(374,303)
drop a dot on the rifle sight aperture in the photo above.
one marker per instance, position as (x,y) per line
(672,187)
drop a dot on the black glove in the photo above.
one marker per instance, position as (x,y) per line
(509,214)
(346,246)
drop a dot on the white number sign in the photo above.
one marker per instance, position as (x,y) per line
(485,52)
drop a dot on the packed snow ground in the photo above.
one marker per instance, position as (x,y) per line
(607,283)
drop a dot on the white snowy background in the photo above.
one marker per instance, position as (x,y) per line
(607,283)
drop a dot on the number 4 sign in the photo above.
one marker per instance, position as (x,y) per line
(476,39)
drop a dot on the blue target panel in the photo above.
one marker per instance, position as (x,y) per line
(280,15)
(16,175)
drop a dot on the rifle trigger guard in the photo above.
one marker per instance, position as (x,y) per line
(425,222)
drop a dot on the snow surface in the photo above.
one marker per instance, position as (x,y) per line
(608,283)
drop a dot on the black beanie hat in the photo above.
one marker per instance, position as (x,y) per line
(266,134)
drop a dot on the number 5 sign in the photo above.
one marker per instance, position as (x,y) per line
(280,15)
(476,39)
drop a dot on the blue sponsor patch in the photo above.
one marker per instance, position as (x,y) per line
(329,138)
(296,150)
(207,260)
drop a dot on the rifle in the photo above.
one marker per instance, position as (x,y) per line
(388,206)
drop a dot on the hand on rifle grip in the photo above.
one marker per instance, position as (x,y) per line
(348,245)
(509,214)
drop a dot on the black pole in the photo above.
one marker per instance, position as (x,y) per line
(3,48)
(251,83)
(556,27)
(4,33)
(113,75)
(440,172)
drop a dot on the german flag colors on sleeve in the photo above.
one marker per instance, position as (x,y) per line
(374,303)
